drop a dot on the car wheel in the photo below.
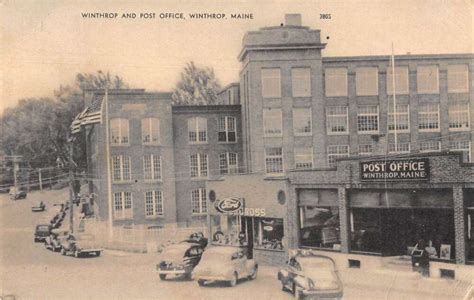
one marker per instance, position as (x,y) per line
(234,279)
(283,286)
(187,276)
(98,253)
(63,251)
(201,282)
(76,253)
(297,292)
(162,276)
(254,274)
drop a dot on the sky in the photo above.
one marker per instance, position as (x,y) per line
(44,44)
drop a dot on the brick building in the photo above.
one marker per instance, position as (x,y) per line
(310,122)
(286,145)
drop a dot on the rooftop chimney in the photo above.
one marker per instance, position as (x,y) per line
(293,20)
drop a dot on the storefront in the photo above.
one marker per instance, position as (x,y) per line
(387,207)
(249,211)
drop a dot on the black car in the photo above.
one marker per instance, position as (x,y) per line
(179,259)
(42,232)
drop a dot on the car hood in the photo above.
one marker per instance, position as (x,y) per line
(323,279)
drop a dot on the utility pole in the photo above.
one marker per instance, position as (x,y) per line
(71,186)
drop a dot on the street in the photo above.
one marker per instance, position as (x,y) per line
(29,271)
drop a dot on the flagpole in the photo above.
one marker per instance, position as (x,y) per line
(109,178)
(394,101)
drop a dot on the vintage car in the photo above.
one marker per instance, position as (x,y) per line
(309,275)
(55,239)
(16,194)
(225,263)
(38,207)
(42,231)
(179,259)
(80,244)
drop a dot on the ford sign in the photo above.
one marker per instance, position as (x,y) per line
(228,205)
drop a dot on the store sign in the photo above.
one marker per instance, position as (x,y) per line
(406,169)
(236,207)
(229,205)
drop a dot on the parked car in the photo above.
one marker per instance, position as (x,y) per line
(80,244)
(225,263)
(179,259)
(38,207)
(309,275)
(42,231)
(53,242)
(16,194)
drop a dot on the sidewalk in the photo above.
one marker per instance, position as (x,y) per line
(390,285)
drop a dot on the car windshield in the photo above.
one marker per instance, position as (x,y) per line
(43,227)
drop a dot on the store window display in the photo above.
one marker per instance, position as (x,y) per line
(268,234)
(319,227)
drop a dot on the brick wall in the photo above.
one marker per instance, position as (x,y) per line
(183,149)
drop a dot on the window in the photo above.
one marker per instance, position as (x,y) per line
(461,146)
(402,117)
(198,201)
(303,158)
(337,151)
(428,117)
(198,164)
(153,204)
(271,83)
(119,131)
(458,116)
(337,120)
(368,119)
(274,160)
(367,81)
(226,129)
(121,168)
(401,81)
(228,163)
(302,121)
(365,230)
(152,167)
(197,130)
(301,82)
(365,149)
(123,205)
(401,148)
(150,131)
(427,79)
(268,233)
(272,122)
(319,226)
(430,146)
(458,79)
(336,82)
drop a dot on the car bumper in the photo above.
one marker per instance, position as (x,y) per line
(211,277)
(322,294)
(172,272)
(89,250)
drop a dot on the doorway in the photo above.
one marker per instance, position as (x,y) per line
(247,227)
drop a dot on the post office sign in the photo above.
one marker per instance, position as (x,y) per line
(395,170)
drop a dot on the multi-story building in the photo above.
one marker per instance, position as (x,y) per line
(304,147)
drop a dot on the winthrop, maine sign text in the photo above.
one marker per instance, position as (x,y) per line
(406,169)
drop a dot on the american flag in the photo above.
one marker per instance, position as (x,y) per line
(90,115)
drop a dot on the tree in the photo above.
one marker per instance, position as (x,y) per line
(197,86)
(38,128)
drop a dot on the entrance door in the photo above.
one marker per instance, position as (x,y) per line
(247,227)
